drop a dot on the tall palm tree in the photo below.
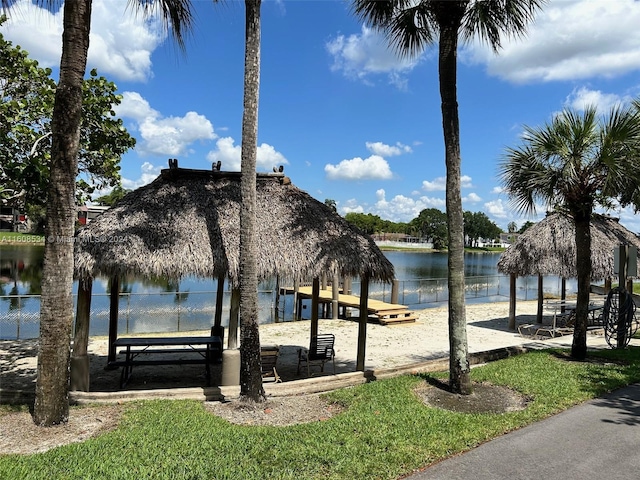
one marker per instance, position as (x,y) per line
(250,371)
(411,26)
(576,162)
(56,305)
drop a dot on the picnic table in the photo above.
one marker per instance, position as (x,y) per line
(167,351)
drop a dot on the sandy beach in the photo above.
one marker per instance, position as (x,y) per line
(387,347)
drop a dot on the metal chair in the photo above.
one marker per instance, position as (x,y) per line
(319,352)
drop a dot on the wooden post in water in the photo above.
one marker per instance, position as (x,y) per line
(335,298)
(114,301)
(395,284)
(79,357)
(362,323)
(346,289)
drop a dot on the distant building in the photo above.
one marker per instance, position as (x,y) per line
(86,213)
(12,220)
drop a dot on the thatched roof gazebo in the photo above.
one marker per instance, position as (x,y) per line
(548,248)
(187,223)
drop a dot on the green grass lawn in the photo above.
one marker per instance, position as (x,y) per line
(385,431)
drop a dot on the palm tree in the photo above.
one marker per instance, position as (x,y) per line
(56,305)
(250,370)
(411,26)
(576,162)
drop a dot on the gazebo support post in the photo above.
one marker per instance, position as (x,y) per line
(315,295)
(296,312)
(323,286)
(276,304)
(114,301)
(512,302)
(217,329)
(217,322)
(234,317)
(335,299)
(362,324)
(79,356)
(563,293)
(540,298)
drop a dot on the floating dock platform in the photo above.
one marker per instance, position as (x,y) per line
(382,312)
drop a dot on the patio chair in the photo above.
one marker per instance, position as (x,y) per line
(268,360)
(319,352)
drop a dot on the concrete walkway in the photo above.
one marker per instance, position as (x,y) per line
(599,439)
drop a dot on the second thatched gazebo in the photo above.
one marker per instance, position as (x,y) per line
(187,222)
(548,248)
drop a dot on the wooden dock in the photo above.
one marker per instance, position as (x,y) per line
(382,312)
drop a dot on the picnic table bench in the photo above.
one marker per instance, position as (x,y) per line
(167,351)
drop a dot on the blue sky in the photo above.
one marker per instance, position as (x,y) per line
(347,118)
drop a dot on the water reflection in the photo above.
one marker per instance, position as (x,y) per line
(160,304)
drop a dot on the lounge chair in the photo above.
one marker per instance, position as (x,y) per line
(319,352)
(268,360)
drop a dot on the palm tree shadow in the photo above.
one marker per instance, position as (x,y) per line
(626,403)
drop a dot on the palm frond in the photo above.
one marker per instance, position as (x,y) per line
(412,29)
(176,15)
(577,160)
(376,14)
(408,25)
(489,19)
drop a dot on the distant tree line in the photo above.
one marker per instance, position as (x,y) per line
(431,224)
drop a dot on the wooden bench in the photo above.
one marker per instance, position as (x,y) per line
(137,350)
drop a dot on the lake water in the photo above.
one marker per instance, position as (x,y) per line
(162,305)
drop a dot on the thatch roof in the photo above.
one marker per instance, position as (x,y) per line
(187,222)
(548,248)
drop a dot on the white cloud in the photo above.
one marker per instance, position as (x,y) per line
(121,41)
(398,209)
(580,98)
(229,154)
(358,56)
(167,136)
(351,206)
(496,208)
(372,168)
(570,39)
(497,190)
(384,150)
(472,198)
(148,174)
(440,184)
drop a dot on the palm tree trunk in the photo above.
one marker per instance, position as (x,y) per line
(250,368)
(459,379)
(583,267)
(56,305)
